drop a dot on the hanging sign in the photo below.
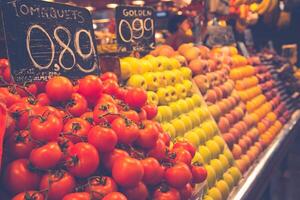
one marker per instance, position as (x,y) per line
(46,39)
(135,28)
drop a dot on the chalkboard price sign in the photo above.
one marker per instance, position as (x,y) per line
(135,27)
(46,39)
(220,36)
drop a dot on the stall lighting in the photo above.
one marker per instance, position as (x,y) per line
(111,5)
(165,0)
(179,12)
(90,8)
(138,2)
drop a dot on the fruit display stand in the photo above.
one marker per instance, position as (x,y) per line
(185,116)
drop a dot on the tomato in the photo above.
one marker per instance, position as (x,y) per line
(29,195)
(9,98)
(126,130)
(114,196)
(186,192)
(46,128)
(105,98)
(136,97)
(164,136)
(182,155)
(4,63)
(148,135)
(90,86)
(151,110)
(186,145)
(83,159)
(132,115)
(59,89)
(43,99)
(77,105)
(104,139)
(77,196)
(30,89)
(142,114)
(20,145)
(110,157)
(109,76)
(140,192)
(166,193)
(199,173)
(7,75)
(51,151)
(153,171)
(59,184)
(44,110)
(88,116)
(159,151)
(19,178)
(121,93)
(110,87)
(76,129)
(101,185)
(20,113)
(178,176)
(127,172)
(105,112)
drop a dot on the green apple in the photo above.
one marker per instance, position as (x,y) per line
(173,93)
(235,173)
(152,98)
(175,108)
(205,153)
(178,75)
(162,82)
(197,158)
(189,86)
(192,137)
(201,134)
(151,80)
(180,90)
(229,156)
(197,100)
(215,194)
(163,95)
(166,112)
(183,106)
(194,117)
(137,80)
(224,161)
(186,72)
(170,77)
(169,128)
(187,121)
(217,165)
(213,148)
(179,126)
(165,62)
(190,103)
(228,179)
(219,140)
(211,175)
(175,64)
(223,188)
(144,66)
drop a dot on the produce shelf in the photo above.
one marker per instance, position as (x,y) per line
(256,179)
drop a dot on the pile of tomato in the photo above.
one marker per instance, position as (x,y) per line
(89,139)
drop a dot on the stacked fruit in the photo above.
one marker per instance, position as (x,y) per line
(92,140)
(185,117)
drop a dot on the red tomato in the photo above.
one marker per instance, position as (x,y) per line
(83,159)
(78,196)
(76,129)
(3,63)
(140,192)
(148,135)
(121,93)
(126,130)
(20,113)
(51,151)
(59,184)
(105,98)
(88,116)
(46,128)
(20,145)
(136,97)
(44,110)
(164,136)
(132,115)
(59,89)
(9,98)
(110,87)
(187,146)
(142,114)
(19,178)
(77,105)
(153,171)
(110,157)
(199,174)
(27,90)
(104,139)
(166,193)
(159,151)
(105,112)
(7,74)
(90,86)
(100,186)
(114,196)
(178,176)
(29,195)
(151,110)
(127,172)
(43,99)
(186,192)
(182,155)
(109,76)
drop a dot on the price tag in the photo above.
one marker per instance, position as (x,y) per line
(45,39)
(243,49)
(220,36)
(135,27)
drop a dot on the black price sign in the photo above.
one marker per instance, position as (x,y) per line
(46,39)
(220,36)
(135,27)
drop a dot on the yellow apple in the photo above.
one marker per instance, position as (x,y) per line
(217,165)
(152,98)
(201,113)
(180,91)
(211,175)
(163,95)
(175,108)
(169,128)
(205,153)
(206,197)
(137,80)
(219,140)
(208,129)
(190,103)
(125,69)
(151,80)
(194,118)
(179,127)
(178,75)
(155,63)
(183,106)
(175,64)
(187,121)
(162,82)
(224,161)
(158,117)
(166,112)
(189,86)
(197,100)
(192,137)
(229,156)
(186,72)
(223,188)
(133,62)
(235,173)
(228,179)
(213,148)
(201,134)
(172,92)
(164,62)
(197,158)
(170,77)
(215,194)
